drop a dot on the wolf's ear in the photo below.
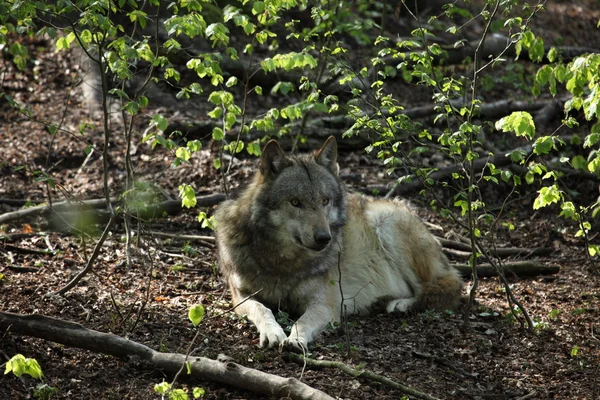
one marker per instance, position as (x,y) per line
(273,159)
(327,156)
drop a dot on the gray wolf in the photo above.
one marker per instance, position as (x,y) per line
(306,246)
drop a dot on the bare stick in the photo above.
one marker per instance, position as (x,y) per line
(221,370)
(359,373)
(182,237)
(91,260)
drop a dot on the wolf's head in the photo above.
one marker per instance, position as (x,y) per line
(301,197)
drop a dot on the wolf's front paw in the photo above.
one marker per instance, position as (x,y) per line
(272,336)
(401,305)
(296,344)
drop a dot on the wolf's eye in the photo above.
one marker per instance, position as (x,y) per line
(295,202)
(325,201)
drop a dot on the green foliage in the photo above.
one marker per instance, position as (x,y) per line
(19,365)
(165,389)
(187,195)
(43,391)
(196,314)
(519,122)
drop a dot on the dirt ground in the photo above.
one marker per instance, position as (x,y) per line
(432,352)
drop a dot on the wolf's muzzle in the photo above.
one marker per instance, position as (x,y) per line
(322,239)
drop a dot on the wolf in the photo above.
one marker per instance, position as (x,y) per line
(296,240)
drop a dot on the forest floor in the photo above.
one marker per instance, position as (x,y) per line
(494,358)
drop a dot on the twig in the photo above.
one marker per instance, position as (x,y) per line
(22,269)
(24,250)
(91,260)
(182,237)
(445,363)
(358,374)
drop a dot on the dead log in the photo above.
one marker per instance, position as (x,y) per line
(518,268)
(221,370)
(499,252)
(90,209)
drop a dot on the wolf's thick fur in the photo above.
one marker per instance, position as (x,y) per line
(294,235)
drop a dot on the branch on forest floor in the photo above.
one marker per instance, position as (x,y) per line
(499,252)
(221,370)
(92,209)
(358,373)
(445,363)
(181,236)
(518,268)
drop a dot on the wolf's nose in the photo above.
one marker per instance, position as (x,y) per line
(322,238)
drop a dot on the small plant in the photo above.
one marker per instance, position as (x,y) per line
(44,392)
(176,268)
(189,250)
(554,314)
(165,389)
(285,321)
(19,366)
(574,351)
(578,311)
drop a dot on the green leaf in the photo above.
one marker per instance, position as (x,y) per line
(217,133)
(232,81)
(536,51)
(198,392)
(547,195)
(543,145)
(253,148)
(579,162)
(594,165)
(162,388)
(187,195)
(20,365)
(258,7)
(520,122)
(543,75)
(183,153)
(552,54)
(160,122)
(574,351)
(196,314)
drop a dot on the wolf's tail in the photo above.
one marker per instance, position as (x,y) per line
(441,293)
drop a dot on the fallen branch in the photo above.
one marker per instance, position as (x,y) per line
(221,370)
(13,237)
(65,209)
(38,210)
(518,268)
(358,374)
(499,252)
(24,250)
(182,237)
